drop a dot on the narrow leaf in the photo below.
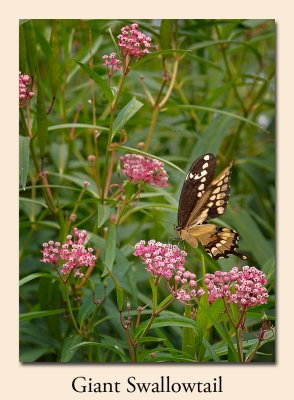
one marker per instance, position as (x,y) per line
(68,349)
(167,320)
(59,154)
(165,34)
(97,79)
(42,123)
(103,214)
(110,247)
(114,349)
(119,297)
(32,355)
(22,50)
(36,275)
(159,53)
(40,314)
(54,62)
(125,114)
(223,112)
(30,41)
(24,159)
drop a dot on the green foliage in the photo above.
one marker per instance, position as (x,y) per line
(209,88)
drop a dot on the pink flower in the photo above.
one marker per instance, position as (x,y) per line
(72,255)
(25,94)
(113,64)
(161,259)
(134,43)
(167,261)
(244,288)
(143,169)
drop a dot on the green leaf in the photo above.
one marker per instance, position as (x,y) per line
(110,247)
(36,275)
(42,123)
(168,320)
(248,229)
(54,61)
(103,214)
(189,335)
(31,45)
(22,50)
(159,53)
(227,42)
(103,85)
(59,154)
(87,56)
(32,355)
(68,349)
(86,308)
(210,350)
(149,339)
(119,297)
(232,352)
(165,301)
(114,349)
(40,314)
(165,34)
(115,44)
(32,202)
(125,114)
(269,268)
(24,160)
(223,112)
(77,126)
(50,299)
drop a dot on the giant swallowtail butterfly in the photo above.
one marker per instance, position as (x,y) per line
(202,198)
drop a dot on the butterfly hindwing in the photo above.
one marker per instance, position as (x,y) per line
(223,243)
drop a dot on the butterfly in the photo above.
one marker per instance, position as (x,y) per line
(202,198)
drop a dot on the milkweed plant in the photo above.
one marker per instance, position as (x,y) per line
(111,115)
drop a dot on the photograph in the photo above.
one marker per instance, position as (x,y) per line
(147,174)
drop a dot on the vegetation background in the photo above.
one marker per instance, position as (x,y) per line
(222,100)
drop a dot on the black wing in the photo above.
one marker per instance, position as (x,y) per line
(198,178)
(213,201)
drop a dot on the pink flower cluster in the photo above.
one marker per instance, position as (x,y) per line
(167,261)
(113,64)
(134,43)
(144,169)
(72,255)
(244,288)
(24,93)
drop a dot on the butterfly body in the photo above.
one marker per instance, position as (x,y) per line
(204,197)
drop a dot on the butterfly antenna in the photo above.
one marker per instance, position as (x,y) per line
(166,222)
(173,240)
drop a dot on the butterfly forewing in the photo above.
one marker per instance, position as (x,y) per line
(197,180)
(215,199)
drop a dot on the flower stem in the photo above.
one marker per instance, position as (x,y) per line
(188,341)
(154,285)
(70,309)
(152,127)
(105,184)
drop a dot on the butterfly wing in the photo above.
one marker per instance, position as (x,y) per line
(197,180)
(203,198)
(213,201)
(222,243)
